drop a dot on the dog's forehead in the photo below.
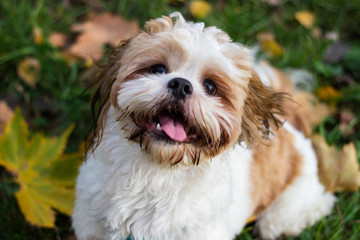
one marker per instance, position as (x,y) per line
(186,48)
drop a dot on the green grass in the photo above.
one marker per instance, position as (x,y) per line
(58,98)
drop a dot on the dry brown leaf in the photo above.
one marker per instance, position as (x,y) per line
(28,70)
(99,30)
(6,114)
(305,18)
(58,39)
(338,169)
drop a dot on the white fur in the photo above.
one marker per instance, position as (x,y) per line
(124,193)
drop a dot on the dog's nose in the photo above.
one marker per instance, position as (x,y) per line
(180,87)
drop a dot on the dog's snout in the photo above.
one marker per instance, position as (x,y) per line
(180,87)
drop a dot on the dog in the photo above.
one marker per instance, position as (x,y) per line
(191,140)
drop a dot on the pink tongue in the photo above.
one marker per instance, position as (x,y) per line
(174,129)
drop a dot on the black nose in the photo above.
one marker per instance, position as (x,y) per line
(180,87)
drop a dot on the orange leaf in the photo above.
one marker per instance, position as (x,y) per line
(99,30)
(200,9)
(305,18)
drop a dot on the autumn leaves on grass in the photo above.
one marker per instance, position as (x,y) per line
(45,174)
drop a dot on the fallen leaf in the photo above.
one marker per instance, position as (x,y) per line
(38,35)
(6,114)
(305,18)
(338,169)
(99,30)
(28,70)
(200,9)
(269,44)
(58,39)
(45,174)
(272,47)
(328,93)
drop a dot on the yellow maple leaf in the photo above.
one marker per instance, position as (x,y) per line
(305,18)
(200,9)
(45,174)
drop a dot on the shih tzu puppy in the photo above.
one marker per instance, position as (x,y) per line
(192,140)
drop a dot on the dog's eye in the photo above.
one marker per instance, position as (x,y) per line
(210,87)
(158,69)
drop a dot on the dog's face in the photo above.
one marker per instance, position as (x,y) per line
(186,93)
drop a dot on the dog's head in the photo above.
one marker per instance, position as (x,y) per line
(185,93)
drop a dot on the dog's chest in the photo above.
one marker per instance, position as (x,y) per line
(145,198)
(170,199)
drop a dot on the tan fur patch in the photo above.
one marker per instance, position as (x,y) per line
(305,110)
(274,167)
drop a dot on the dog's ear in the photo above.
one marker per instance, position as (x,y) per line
(261,111)
(101,101)
(159,25)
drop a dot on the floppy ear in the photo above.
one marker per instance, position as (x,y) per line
(261,111)
(101,101)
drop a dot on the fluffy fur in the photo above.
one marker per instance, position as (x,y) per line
(194,158)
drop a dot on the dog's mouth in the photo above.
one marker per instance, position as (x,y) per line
(169,126)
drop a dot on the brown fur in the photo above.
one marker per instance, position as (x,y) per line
(273,168)
(100,101)
(261,111)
